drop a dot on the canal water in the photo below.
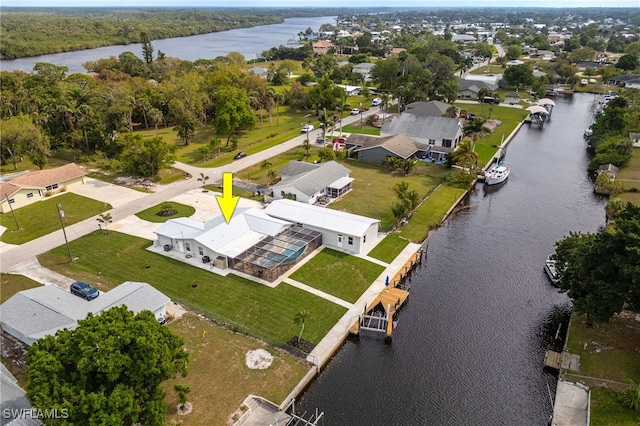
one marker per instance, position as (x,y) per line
(470,343)
(248,41)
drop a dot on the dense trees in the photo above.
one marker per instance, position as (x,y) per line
(601,272)
(107,371)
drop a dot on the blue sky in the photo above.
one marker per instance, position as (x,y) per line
(326,3)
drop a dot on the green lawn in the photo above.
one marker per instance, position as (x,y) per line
(152,214)
(389,248)
(255,173)
(629,176)
(41,218)
(11,284)
(364,130)
(606,409)
(107,260)
(339,274)
(373,190)
(218,376)
(430,214)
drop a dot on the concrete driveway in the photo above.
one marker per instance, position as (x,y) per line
(106,192)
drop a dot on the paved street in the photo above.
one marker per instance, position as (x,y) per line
(127,202)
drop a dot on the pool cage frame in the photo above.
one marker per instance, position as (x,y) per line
(267,248)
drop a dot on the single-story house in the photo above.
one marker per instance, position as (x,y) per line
(308,182)
(514,62)
(432,108)
(30,187)
(512,98)
(14,405)
(439,135)
(322,47)
(37,312)
(364,69)
(350,90)
(630,81)
(469,89)
(463,38)
(259,71)
(635,139)
(373,149)
(342,231)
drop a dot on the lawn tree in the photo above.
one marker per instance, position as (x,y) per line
(204,150)
(233,111)
(265,166)
(214,145)
(601,272)
(108,370)
(20,136)
(146,156)
(518,75)
(465,155)
(299,318)
(105,219)
(147,48)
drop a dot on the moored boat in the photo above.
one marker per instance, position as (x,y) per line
(550,269)
(497,174)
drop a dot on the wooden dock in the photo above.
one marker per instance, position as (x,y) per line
(564,361)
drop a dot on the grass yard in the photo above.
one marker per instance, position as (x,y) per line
(364,130)
(218,376)
(152,214)
(389,248)
(608,351)
(255,173)
(339,274)
(11,284)
(430,213)
(373,189)
(107,260)
(41,218)
(629,176)
(606,409)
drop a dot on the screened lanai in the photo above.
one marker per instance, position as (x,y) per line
(274,255)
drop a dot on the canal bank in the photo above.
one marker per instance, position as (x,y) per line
(471,342)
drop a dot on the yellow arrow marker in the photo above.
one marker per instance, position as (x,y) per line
(227,202)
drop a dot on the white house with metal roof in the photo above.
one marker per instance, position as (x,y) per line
(308,182)
(37,312)
(342,231)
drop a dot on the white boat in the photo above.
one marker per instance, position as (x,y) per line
(588,132)
(497,174)
(550,269)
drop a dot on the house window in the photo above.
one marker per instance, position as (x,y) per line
(12,200)
(200,251)
(446,143)
(52,187)
(350,241)
(187,246)
(432,141)
(30,195)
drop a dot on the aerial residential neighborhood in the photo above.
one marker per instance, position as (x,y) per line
(221,228)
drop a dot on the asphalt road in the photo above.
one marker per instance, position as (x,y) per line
(11,256)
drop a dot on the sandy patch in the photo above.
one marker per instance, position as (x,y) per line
(258,359)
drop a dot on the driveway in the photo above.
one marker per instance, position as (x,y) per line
(115,195)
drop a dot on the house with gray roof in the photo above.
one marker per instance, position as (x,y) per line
(432,108)
(469,89)
(41,311)
(439,136)
(308,182)
(15,407)
(364,69)
(373,149)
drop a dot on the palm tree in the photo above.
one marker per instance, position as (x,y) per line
(482,93)
(299,318)
(104,219)
(204,150)
(272,175)
(214,145)
(306,144)
(203,178)
(465,154)
(631,395)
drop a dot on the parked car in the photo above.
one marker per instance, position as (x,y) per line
(376,102)
(240,155)
(84,290)
(307,128)
(355,111)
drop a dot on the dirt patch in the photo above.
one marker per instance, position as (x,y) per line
(14,355)
(135,182)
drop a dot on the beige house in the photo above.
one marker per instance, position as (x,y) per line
(322,47)
(34,186)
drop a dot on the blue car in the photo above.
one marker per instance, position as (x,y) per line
(84,290)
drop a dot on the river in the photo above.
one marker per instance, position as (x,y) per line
(203,46)
(470,343)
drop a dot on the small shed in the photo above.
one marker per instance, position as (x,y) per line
(512,98)
(609,169)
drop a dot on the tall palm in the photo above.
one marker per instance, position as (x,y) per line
(105,219)
(465,154)
(482,93)
(300,318)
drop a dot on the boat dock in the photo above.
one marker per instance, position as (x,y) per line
(377,319)
(564,361)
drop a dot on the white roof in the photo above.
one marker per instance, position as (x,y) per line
(342,182)
(246,228)
(182,227)
(320,217)
(44,310)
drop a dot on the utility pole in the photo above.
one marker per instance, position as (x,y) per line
(12,212)
(64,232)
